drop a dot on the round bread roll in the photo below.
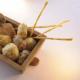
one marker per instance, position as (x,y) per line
(23,55)
(22,31)
(7,29)
(28,44)
(17,40)
(11,51)
(4,39)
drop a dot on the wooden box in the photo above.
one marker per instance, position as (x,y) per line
(15,65)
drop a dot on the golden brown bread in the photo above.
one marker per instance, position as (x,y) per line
(7,29)
(4,39)
(11,51)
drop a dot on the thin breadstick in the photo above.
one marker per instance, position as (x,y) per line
(49,26)
(65,21)
(39,17)
(64,39)
(55,26)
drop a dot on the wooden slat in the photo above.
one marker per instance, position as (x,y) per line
(10,62)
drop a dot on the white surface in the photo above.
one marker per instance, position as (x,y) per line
(59,60)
